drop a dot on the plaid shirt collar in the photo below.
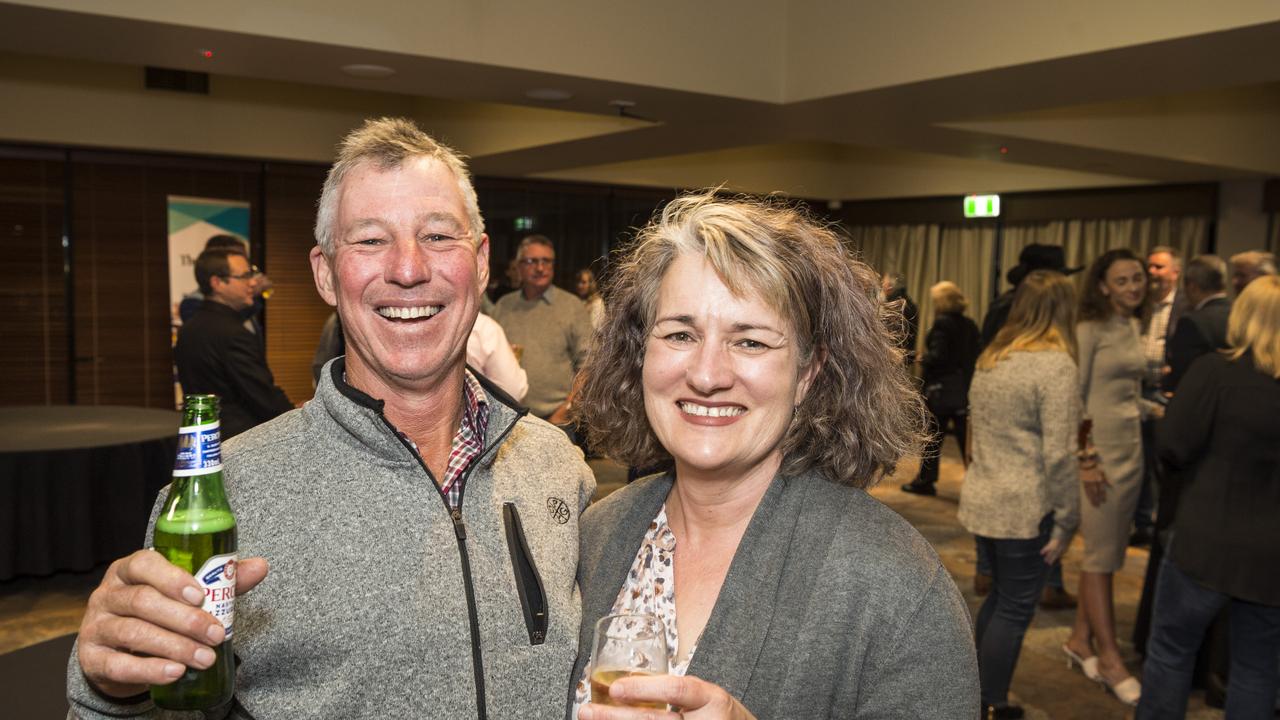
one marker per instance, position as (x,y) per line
(468,443)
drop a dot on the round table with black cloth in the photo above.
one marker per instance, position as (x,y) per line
(77,483)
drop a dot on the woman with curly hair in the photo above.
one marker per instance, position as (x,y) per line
(744,350)
(1113,299)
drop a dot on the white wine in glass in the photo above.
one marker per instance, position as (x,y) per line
(627,645)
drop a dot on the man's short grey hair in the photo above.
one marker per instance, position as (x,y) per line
(1169,250)
(534,240)
(1262,263)
(1208,273)
(387,143)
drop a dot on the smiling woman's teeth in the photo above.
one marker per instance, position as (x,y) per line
(409,313)
(704,411)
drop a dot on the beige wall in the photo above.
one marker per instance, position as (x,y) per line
(838,47)
(1234,126)
(101,104)
(758,49)
(727,47)
(1242,225)
(824,171)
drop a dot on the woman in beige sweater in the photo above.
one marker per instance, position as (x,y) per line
(1020,495)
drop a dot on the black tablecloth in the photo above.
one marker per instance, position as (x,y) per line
(77,484)
(37,677)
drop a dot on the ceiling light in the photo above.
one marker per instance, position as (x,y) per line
(364,70)
(548,94)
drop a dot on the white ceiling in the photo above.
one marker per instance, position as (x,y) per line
(858,99)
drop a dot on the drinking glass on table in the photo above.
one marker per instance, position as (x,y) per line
(627,645)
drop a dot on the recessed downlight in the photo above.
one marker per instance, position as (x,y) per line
(365,70)
(548,94)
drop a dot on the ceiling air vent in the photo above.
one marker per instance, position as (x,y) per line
(177,80)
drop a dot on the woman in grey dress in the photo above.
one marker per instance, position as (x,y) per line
(1111,366)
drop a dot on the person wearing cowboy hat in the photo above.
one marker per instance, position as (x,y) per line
(1033,257)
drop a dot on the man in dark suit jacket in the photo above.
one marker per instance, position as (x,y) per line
(216,354)
(1204,328)
(1164,269)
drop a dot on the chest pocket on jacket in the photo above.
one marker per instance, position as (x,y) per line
(533,598)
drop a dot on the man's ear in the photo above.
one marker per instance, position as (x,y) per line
(322,271)
(482,262)
(215,286)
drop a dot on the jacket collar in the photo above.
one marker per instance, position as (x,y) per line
(361,415)
(213,306)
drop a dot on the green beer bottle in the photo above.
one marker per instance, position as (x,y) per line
(197,532)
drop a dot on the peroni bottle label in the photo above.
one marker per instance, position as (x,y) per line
(199,450)
(218,578)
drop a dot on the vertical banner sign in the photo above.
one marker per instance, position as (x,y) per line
(192,221)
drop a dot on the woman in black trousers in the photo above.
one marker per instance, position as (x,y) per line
(951,348)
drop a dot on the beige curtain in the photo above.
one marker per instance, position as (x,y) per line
(964,254)
(926,254)
(1084,240)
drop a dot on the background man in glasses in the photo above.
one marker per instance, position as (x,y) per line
(551,325)
(191,301)
(217,354)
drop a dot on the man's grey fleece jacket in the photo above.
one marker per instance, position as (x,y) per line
(380,603)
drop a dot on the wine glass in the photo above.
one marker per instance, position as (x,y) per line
(627,645)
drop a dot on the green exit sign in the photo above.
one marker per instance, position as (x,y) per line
(524,222)
(982,206)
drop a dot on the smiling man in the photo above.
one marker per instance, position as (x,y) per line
(421,527)
(216,353)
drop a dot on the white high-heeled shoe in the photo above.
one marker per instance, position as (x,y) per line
(1088,666)
(1127,691)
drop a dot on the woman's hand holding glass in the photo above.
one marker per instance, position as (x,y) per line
(696,698)
(626,645)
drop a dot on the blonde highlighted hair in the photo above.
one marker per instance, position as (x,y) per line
(862,412)
(947,297)
(1043,317)
(1254,324)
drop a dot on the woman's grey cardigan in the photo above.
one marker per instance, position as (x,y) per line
(833,607)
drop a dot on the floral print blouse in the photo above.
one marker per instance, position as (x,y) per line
(650,588)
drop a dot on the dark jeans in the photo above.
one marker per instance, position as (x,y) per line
(1183,611)
(938,428)
(1017,581)
(984,567)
